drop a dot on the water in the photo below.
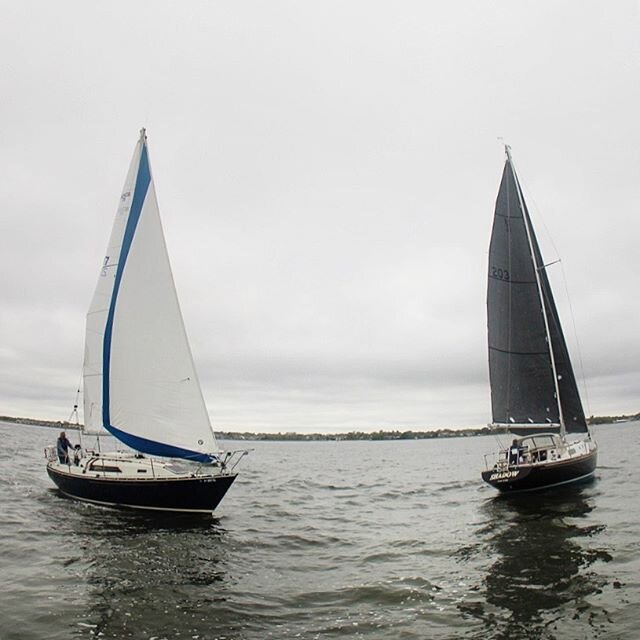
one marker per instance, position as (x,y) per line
(395,540)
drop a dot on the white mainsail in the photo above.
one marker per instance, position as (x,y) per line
(140,382)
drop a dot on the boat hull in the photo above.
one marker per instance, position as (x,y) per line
(532,477)
(200,494)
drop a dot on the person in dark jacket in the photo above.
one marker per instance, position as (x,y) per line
(62,448)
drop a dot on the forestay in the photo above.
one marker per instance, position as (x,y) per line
(140,382)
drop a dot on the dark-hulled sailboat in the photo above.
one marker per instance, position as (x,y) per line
(533,387)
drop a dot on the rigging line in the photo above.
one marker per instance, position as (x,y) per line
(75,404)
(544,266)
(497,435)
(575,335)
(548,236)
(510,289)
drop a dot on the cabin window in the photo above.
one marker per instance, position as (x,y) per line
(177,468)
(105,468)
(542,441)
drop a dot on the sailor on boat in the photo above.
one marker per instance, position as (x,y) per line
(62,448)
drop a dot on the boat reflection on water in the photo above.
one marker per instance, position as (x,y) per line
(543,548)
(148,575)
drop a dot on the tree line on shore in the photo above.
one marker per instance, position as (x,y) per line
(380,434)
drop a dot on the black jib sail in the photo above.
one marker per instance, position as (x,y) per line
(524,394)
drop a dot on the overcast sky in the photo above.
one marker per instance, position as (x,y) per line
(326,174)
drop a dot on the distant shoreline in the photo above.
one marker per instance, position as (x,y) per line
(395,434)
(52,424)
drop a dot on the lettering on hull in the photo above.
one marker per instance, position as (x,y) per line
(500,476)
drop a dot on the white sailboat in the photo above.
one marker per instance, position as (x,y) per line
(139,379)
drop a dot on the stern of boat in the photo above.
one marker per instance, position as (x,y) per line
(531,468)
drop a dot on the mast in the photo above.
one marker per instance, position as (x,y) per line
(536,270)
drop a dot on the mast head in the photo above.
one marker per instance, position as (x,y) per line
(507,148)
(143,135)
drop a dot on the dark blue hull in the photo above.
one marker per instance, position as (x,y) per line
(531,477)
(189,494)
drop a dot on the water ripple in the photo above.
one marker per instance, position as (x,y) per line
(321,540)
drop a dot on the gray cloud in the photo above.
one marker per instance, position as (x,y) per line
(326,176)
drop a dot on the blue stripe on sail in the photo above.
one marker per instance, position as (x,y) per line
(139,194)
(157,448)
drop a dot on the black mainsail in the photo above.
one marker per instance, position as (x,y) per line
(533,387)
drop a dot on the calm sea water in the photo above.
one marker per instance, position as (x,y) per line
(328,540)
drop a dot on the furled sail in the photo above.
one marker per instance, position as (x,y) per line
(524,346)
(140,382)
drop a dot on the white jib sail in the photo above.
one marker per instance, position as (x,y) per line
(140,382)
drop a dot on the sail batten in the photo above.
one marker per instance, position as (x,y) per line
(139,374)
(520,353)
(530,370)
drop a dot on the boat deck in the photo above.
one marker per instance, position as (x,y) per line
(116,465)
